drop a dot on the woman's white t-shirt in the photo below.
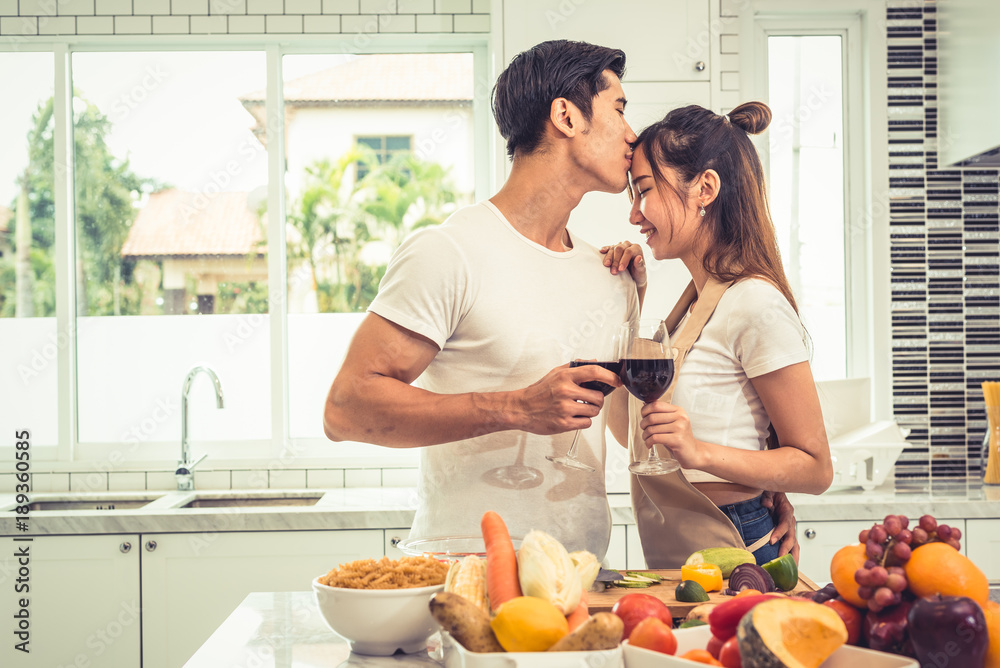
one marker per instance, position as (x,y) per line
(753,331)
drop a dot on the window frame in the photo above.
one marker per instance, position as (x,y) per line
(866,190)
(278,449)
(384,154)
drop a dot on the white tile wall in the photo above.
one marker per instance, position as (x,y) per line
(212,480)
(287,479)
(324,478)
(59,482)
(88,481)
(178,17)
(120,481)
(363,478)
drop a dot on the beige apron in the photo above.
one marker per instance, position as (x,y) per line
(674,518)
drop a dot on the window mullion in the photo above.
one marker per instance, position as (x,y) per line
(65,253)
(277,274)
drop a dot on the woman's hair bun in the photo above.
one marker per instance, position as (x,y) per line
(751,117)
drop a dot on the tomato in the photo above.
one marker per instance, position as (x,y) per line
(633,608)
(700,656)
(715,646)
(730,654)
(652,633)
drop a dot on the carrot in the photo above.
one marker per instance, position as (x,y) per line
(501,562)
(580,615)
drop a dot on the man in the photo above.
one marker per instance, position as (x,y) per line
(464,351)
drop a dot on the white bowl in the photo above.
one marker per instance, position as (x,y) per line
(697,637)
(449,547)
(456,656)
(379,621)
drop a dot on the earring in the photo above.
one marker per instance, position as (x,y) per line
(702,212)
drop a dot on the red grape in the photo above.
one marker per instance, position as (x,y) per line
(865,592)
(873,606)
(898,570)
(919,537)
(901,551)
(863,536)
(928,523)
(870,564)
(956,533)
(904,536)
(877,534)
(954,543)
(884,597)
(944,532)
(892,525)
(904,520)
(877,576)
(874,550)
(896,582)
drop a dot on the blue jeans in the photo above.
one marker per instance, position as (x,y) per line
(753,520)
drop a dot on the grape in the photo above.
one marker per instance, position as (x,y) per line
(901,551)
(863,536)
(877,576)
(873,606)
(896,583)
(884,597)
(877,534)
(892,525)
(956,533)
(866,592)
(954,543)
(870,564)
(904,536)
(919,537)
(862,577)
(944,532)
(898,570)
(874,550)
(904,520)
(928,523)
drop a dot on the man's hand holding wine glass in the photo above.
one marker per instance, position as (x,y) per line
(558,402)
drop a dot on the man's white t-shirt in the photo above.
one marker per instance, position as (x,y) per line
(505,311)
(753,331)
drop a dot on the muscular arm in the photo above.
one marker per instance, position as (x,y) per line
(802,464)
(371,399)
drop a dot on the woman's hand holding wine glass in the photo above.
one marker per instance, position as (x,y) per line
(647,370)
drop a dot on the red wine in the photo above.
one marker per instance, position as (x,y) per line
(647,379)
(603,388)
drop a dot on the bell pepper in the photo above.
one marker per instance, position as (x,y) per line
(784,571)
(725,617)
(709,576)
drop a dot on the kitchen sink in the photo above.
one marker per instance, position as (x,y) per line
(252,501)
(103,503)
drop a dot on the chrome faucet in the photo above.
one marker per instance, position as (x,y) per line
(185,467)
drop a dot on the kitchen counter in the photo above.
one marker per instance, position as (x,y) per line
(393,507)
(285,630)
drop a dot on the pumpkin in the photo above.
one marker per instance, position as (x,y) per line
(788,632)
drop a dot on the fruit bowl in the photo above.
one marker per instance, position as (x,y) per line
(449,548)
(697,637)
(456,656)
(378,621)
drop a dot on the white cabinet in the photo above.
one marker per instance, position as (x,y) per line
(664,40)
(982,545)
(634,558)
(83,601)
(819,541)
(392,540)
(192,582)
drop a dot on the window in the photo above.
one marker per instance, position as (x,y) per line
(31,340)
(822,71)
(383,149)
(188,238)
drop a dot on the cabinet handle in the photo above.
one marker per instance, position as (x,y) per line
(395,541)
(150,545)
(699,66)
(125,547)
(810,533)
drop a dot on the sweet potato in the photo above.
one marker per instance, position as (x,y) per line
(602,631)
(466,623)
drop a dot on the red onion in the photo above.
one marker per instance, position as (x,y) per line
(751,576)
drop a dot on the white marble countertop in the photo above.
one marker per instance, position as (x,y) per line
(286,630)
(393,507)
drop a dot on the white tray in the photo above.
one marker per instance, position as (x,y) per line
(456,656)
(697,637)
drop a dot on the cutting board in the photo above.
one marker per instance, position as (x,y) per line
(602,601)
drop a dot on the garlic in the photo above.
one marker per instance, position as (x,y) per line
(546,571)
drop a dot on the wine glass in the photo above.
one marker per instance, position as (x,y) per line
(647,370)
(600,350)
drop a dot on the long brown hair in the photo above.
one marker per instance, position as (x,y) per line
(691,140)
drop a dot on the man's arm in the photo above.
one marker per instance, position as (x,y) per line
(371,399)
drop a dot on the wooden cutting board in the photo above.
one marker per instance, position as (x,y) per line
(604,600)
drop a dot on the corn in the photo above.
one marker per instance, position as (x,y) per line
(467,578)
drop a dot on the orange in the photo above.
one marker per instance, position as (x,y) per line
(700,656)
(938,568)
(844,564)
(992,612)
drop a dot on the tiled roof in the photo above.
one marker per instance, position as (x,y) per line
(384,77)
(179,223)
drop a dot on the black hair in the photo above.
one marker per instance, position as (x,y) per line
(523,94)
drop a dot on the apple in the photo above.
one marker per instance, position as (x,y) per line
(729,655)
(948,630)
(888,631)
(852,618)
(714,646)
(652,633)
(633,608)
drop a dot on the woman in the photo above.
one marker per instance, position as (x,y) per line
(700,197)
